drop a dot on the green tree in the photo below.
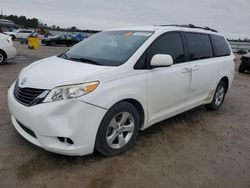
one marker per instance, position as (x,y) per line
(22,20)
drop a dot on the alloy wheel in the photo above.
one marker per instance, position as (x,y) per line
(219,95)
(120,130)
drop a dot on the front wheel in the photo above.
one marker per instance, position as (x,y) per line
(2,57)
(219,96)
(118,129)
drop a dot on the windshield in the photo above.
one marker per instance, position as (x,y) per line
(110,48)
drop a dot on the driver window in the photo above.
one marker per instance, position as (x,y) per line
(171,44)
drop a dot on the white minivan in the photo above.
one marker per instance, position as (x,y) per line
(102,91)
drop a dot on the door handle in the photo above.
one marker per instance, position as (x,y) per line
(195,68)
(186,70)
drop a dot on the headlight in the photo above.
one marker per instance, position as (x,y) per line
(71,91)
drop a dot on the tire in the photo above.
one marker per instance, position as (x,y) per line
(121,136)
(219,96)
(52,43)
(13,37)
(2,57)
(241,68)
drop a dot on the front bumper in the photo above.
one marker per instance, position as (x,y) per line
(72,119)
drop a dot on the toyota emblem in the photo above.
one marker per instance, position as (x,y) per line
(24,80)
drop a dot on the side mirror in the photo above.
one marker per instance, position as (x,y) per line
(161,60)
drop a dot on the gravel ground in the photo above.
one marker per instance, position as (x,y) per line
(198,148)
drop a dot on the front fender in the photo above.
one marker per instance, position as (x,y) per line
(109,93)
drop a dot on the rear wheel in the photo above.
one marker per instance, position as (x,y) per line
(2,57)
(219,96)
(118,129)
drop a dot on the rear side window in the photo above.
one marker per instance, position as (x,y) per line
(221,46)
(171,44)
(199,46)
(25,31)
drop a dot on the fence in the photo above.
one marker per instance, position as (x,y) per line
(236,46)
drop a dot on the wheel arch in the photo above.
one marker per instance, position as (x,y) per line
(13,36)
(139,108)
(4,53)
(226,80)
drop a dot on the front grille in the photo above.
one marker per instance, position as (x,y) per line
(27,96)
(26,129)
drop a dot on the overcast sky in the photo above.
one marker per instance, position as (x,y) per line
(231,17)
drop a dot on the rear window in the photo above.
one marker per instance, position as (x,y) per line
(221,46)
(199,46)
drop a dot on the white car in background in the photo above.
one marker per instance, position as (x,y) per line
(19,33)
(7,50)
(102,91)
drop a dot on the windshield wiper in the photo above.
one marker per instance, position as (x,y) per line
(64,55)
(85,60)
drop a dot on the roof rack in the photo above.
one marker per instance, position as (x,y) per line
(193,26)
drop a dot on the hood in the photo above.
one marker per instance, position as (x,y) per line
(4,36)
(246,55)
(54,71)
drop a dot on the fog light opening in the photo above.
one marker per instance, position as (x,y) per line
(65,140)
(70,141)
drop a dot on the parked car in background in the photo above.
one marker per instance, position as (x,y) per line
(67,40)
(242,52)
(25,40)
(19,33)
(79,36)
(245,63)
(7,50)
(102,91)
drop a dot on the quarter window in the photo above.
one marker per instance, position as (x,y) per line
(221,46)
(199,46)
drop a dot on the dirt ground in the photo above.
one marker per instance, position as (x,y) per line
(198,148)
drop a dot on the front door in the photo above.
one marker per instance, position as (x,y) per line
(167,87)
